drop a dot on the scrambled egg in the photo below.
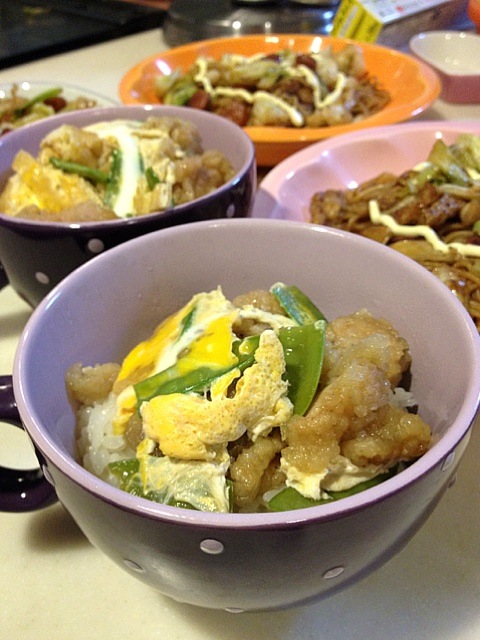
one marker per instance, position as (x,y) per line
(140,147)
(193,482)
(196,427)
(192,426)
(44,187)
(200,332)
(340,475)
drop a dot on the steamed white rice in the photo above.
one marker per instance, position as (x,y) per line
(97,444)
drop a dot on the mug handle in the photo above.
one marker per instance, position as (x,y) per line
(20,489)
(3,277)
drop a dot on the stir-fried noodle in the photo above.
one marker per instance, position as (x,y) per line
(430,213)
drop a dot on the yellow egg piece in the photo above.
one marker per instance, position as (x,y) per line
(140,362)
(44,186)
(192,427)
(199,335)
(203,314)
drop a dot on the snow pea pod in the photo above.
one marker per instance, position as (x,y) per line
(366,484)
(127,473)
(296,304)
(289,498)
(171,381)
(303,348)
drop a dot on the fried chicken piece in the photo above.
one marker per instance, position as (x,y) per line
(248,470)
(393,435)
(76,145)
(347,332)
(88,385)
(353,415)
(346,405)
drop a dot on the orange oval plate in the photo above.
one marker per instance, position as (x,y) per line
(412,85)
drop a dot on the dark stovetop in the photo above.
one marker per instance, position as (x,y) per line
(32,29)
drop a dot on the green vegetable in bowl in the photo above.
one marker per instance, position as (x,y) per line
(114,177)
(303,349)
(111,179)
(40,97)
(89,173)
(296,304)
(198,380)
(289,499)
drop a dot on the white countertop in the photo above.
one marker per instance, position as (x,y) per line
(55,585)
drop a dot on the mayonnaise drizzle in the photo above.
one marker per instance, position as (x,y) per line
(121,131)
(296,117)
(312,79)
(426,232)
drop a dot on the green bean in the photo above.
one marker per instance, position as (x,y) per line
(40,97)
(152,178)
(94,175)
(113,181)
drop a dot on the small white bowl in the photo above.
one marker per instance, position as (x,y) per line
(455,56)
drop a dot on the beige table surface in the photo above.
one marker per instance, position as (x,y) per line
(55,585)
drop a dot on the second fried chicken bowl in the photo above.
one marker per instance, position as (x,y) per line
(285,410)
(76,184)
